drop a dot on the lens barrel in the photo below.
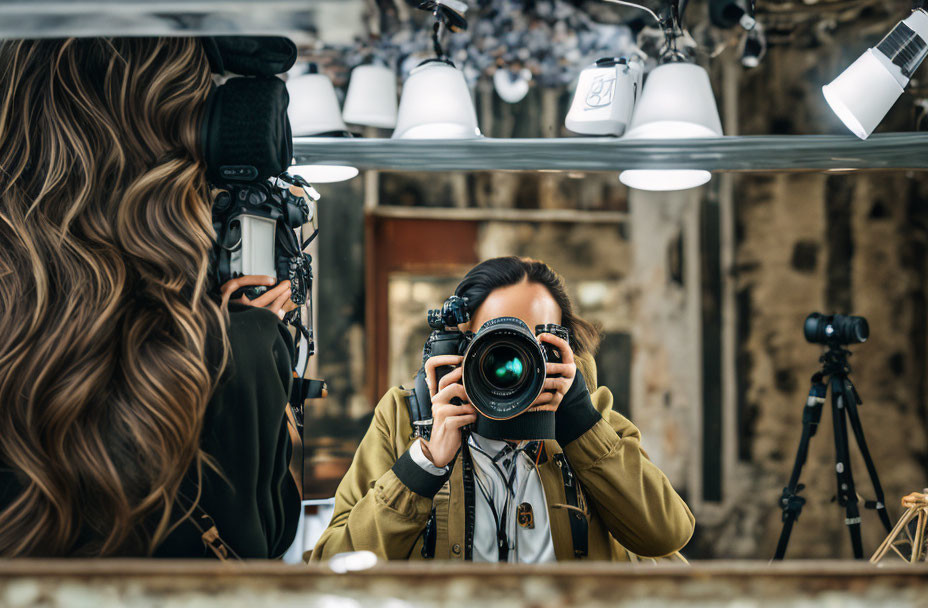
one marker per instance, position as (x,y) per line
(836,330)
(504,369)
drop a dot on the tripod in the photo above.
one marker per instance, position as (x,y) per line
(844,402)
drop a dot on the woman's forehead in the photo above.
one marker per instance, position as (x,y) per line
(531,302)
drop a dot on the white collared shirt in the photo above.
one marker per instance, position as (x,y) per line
(529,540)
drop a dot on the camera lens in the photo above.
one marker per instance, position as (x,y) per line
(503,367)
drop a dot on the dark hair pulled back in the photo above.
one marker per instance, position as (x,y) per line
(505,271)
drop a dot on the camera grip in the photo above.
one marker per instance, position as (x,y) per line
(552,353)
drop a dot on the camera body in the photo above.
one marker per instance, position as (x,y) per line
(504,363)
(254,224)
(605,98)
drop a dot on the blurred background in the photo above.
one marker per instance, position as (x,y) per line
(701,294)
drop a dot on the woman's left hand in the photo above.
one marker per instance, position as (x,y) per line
(560,376)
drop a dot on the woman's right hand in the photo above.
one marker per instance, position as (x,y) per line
(447,418)
(276,298)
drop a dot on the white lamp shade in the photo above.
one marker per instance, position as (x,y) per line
(436,104)
(324,174)
(863,94)
(313,106)
(371,98)
(676,103)
(658,180)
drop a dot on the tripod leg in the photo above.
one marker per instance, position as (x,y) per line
(847,493)
(854,416)
(790,501)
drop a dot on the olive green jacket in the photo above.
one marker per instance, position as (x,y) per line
(631,508)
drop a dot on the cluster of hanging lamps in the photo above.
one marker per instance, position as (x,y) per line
(435,104)
(676,102)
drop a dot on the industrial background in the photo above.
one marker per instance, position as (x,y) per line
(701,294)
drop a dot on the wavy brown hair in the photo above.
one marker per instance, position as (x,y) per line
(108,353)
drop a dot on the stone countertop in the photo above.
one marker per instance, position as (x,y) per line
(67,583)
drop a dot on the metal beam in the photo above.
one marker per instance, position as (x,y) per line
(62,18)
(486,214)
(754,153)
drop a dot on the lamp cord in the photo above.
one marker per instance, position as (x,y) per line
(638,6)
(436,37)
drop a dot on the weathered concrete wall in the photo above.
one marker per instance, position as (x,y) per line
(833,243)
(666,364)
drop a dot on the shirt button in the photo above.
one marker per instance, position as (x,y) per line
(456,549)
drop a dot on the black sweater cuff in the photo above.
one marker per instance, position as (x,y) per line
(418,479)
(576,414)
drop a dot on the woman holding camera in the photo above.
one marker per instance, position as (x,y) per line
(588,492)
(137,415)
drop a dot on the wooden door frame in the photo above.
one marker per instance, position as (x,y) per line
(409,245)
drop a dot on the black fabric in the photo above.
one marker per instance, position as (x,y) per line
(576,414)
(530,426)
(418,479)
(245,134)
(256,507)
(250,55)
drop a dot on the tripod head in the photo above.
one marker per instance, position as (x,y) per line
(835,361)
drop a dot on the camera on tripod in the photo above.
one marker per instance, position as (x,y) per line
(504,363)
(835,332)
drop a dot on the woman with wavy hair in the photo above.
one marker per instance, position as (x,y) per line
(132,403)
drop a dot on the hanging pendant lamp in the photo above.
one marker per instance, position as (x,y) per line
(314,112)
(676,103)
(371,97)
(436,104)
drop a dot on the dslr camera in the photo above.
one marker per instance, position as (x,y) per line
(255,224)
(504,363)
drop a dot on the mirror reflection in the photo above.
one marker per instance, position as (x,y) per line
(215,344)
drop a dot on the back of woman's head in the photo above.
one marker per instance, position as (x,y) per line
(505,271)
(105,235)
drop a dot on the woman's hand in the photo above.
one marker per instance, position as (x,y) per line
(564,373)
(447,417)
(277,299)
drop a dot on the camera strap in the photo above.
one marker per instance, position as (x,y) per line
(579,526)
(419,404)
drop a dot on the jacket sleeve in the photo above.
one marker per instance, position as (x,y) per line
(384,501)
(633,496)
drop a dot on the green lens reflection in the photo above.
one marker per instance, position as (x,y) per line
(503,367)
